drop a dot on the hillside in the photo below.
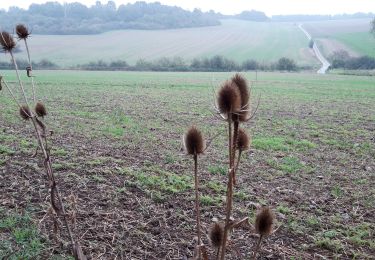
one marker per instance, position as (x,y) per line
(235,39)
(350,35)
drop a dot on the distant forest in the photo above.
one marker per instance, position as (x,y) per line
(76,18)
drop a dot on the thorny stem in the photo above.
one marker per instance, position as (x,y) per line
(235,137)
(48,165)
(197,211)
(257,247)
(31,67)
(229,189)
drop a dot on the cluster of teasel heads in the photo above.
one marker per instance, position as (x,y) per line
(34,116)
(233,105)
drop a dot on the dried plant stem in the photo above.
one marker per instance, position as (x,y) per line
(197,210)
(47,164)
(258,247)
(229,189)
(31,67)
(11,93)
(218,252)
(234,147)
(237,164)
(19,78)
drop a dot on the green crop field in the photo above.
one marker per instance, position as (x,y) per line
(238,40)
(117,148)
(349,35)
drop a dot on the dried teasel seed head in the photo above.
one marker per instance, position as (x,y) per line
(25,112)
(40,109)
(194,141)
(22,31)
(6,41)
(216,234)
(229,99)
(242,86)
(264,221)
(243,140)
(241,83)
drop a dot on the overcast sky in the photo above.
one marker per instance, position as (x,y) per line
(270,7)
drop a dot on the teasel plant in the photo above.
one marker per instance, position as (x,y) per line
(264,222)
(195,145)
(233,105)
(35,117)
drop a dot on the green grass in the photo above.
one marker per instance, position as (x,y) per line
(352,35)
(361,42)
(235,39)
(26,241)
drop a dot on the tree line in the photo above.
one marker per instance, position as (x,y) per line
(342,60)
(76,18)
(215,63)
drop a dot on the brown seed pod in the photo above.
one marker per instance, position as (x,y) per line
(22,31)
(264,221)
(6,41)
(216,233)
(25,112)
(193,141)
(229,99)
(242,86)
(40,109)
(243,140)
(241,83)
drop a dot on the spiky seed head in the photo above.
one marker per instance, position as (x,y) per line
(25,112)
(241,83)
(229,99)
(22,31)
(194,141)
(264,221)
(243,140)
(40,109)
(6,41)
(216,234)
(242,86)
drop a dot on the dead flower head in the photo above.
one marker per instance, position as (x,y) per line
(25,112)
(40,109)
(243,140)
(193,141)
(216,233)
(264,221)
(6,41)
(229,99)
(22,31)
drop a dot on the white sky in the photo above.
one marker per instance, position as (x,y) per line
(270,7)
